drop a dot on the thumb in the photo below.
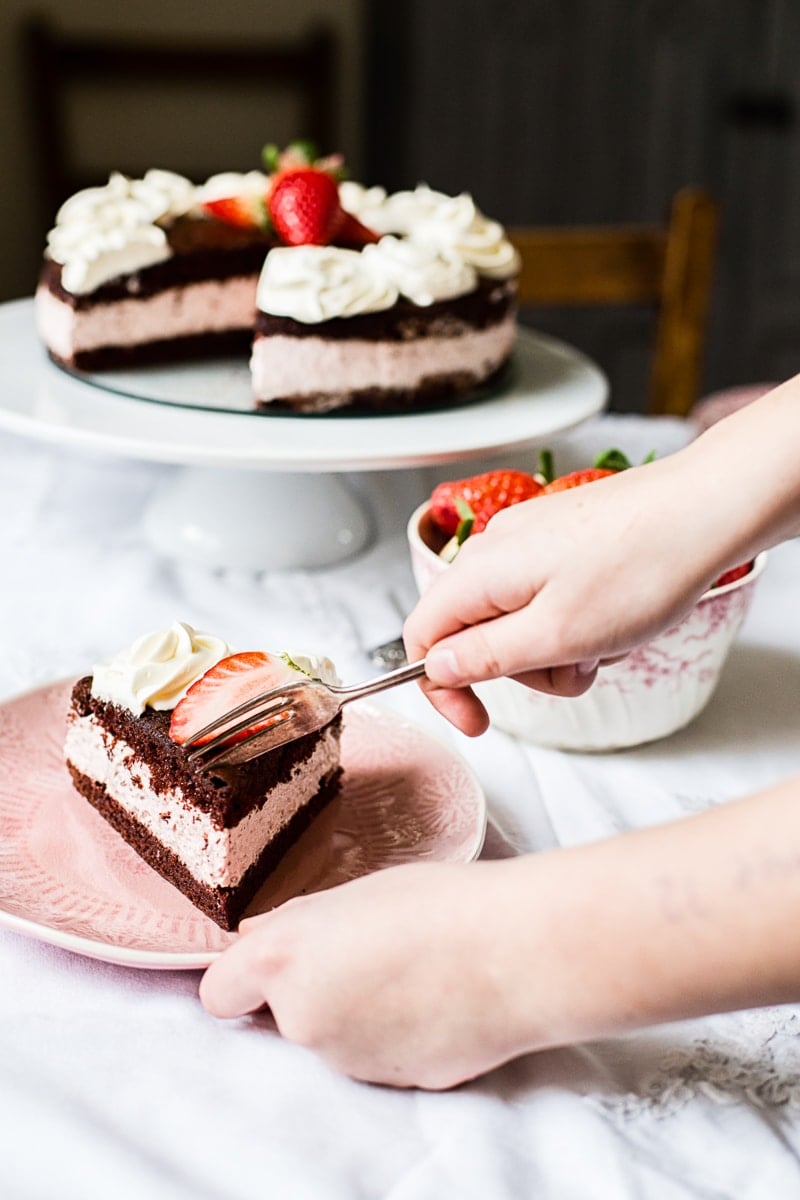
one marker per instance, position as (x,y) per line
(506,645)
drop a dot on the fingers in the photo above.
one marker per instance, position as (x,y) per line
(512,644)
(460,706)
(479,586)
(571,680)
(233,985)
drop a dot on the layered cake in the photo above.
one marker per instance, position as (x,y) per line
(134,273)
(215,833)
(352,298)
(424,314)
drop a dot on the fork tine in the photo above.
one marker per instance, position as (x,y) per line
(255,716)
(266,738)
(252,706)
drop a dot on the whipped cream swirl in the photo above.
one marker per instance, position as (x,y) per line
(454,223)
(316,283)
(158,669)
(450,224)
(232,183)
(102,232)
(420,272)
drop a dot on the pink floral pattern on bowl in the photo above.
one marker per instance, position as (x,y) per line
(656,690)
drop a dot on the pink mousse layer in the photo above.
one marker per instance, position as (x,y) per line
(217,857)
(286,366)
(210,307)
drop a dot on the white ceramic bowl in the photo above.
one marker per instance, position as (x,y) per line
(656,690)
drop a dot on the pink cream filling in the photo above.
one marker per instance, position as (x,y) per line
(210,307)
(287,366)
(218,857)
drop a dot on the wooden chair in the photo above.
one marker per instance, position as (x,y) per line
(669,268)
(58,63)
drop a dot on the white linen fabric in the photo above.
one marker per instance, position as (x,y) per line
(115,1082)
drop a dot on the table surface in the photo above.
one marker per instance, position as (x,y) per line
(114,1082)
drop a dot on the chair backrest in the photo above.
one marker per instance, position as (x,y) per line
(58,64)
(668,267)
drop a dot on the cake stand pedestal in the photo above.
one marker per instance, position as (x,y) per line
(263,491)
(248,519)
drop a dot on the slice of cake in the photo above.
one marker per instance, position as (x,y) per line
(379,350)
(141,271)
(422,315)
(215,834)
(351,298)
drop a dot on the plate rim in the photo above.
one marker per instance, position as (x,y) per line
(135,958)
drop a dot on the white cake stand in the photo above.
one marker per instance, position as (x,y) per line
(259,490)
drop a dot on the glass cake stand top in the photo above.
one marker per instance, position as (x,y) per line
(551,388)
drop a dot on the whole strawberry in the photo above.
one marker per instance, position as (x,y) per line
(608,463)
(305,209)
(303,199)
(304,206)
(481,496)
(572,479)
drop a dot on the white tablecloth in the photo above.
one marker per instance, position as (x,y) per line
(114,1082)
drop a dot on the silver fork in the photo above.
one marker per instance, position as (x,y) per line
(292,710)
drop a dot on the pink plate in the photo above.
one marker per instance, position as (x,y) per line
(67,878)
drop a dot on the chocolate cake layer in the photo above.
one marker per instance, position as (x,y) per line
(488,304)
(234,343)
(225,905)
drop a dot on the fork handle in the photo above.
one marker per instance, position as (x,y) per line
(391,679)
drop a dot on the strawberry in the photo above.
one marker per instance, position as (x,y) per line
(733,574)
(576,479)
(303,200)
(246,211)
(482,495)
(234,680)
(607,463)
(304,205)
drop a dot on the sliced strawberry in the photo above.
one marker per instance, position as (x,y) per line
(246,211)
(574,479)
(483,494)
(234,680)
(733,574)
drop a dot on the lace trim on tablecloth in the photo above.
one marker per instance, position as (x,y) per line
(756,1063)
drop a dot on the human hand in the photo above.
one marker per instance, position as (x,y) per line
(557,584)
(392,978)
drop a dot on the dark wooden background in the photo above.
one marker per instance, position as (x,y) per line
(560,111)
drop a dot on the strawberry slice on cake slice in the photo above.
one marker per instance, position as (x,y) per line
(237,199)
(237,680)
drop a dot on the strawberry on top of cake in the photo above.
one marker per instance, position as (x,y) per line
(215,834)
(351,297)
